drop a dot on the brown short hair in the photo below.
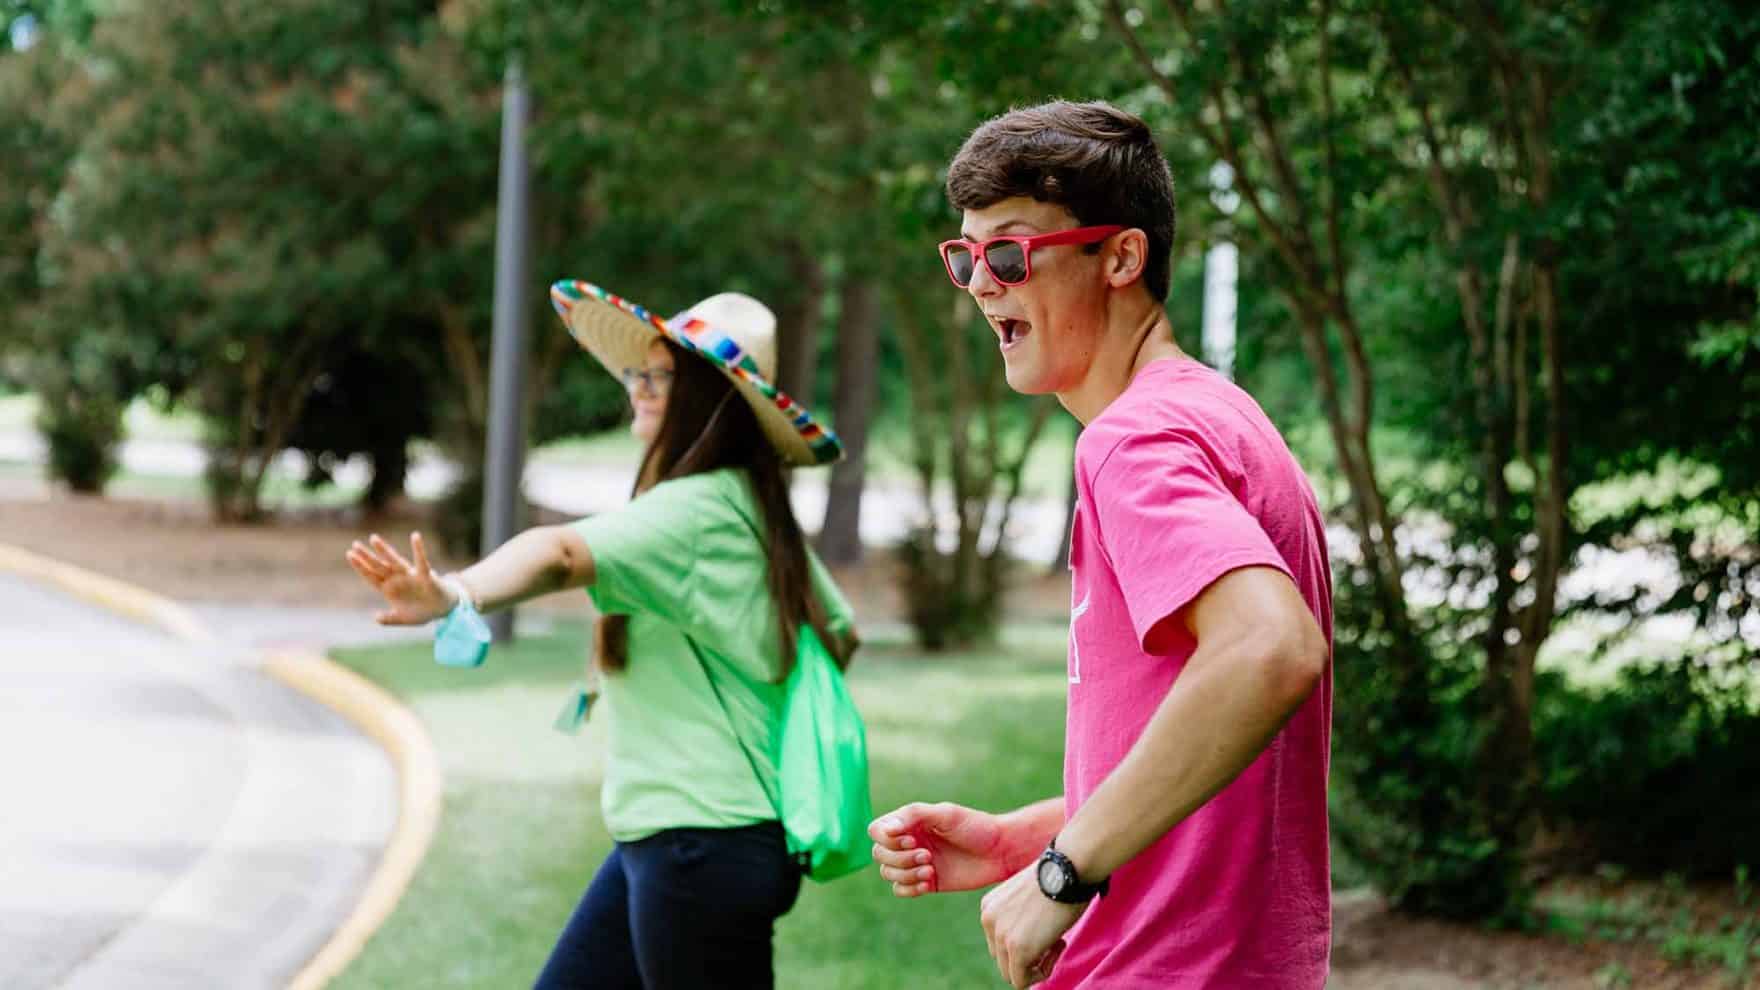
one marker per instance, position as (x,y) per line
(1093,159)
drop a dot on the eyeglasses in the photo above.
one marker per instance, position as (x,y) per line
(1010,259)
(655,381)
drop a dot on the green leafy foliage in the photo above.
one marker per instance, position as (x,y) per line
(1642,771)
(1498,283)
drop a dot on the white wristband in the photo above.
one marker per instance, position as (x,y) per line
(459,590)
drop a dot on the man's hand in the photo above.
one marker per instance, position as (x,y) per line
(1025,928)
(929,848)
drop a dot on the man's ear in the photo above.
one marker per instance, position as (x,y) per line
(1126,257)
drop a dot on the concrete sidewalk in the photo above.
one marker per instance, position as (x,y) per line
(170,815)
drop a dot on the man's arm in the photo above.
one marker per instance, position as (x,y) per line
(935,848)
(1259,656)
(1030,829)
(1260,653)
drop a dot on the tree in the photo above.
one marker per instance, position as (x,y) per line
(79,414)
(300,221)
(970,444)
(1357,132)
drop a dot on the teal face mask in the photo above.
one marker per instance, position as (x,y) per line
(462,638)
(576,709)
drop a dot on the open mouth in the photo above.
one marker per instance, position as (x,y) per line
(1012,331)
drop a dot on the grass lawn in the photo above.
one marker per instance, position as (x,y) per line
(521,835)
(17,412)
(615,446)
(280,491)
(1046,474)
(144,419)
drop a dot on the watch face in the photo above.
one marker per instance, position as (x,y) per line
(1050,877)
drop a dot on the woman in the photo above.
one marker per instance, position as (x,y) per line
(704,580)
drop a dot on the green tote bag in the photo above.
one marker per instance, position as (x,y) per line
(824,806)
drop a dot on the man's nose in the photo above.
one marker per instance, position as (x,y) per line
(983,285)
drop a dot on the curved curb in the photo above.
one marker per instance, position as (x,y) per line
(107,593)
(363,703)
(396,728)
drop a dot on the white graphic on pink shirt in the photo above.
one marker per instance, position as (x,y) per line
(1075,651)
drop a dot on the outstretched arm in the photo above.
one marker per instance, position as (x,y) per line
(536,562)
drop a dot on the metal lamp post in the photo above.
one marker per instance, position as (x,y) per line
(504,458)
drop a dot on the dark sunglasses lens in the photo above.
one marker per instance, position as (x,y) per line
(959,265)
(1008,263)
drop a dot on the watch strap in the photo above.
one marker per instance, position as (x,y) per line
(1075,892)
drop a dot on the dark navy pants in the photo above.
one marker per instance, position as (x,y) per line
(684,908)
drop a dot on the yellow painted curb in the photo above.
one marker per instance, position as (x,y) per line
(397,729)
(107,593)
(368,706)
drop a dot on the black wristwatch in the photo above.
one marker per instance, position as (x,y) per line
(1058,879)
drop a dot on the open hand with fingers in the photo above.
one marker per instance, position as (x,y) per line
(412,591)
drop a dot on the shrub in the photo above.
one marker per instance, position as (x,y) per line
(82,429)
(458,519)
(1407,803)
(1657,771)
(952,599)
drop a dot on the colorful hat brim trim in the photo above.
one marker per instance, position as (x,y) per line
(799,437)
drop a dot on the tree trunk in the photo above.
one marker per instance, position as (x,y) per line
(390,471)
(1317,291)
(1061,564)
(858,351)
(797,325)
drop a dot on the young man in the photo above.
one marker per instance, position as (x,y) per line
(1189,848)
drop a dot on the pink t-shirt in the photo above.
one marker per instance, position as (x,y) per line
(1181,480)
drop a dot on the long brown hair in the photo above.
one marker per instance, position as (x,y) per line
(708,426)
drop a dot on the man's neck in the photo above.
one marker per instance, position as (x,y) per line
(1131,343)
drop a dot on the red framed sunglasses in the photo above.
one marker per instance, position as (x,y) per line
(1010,259)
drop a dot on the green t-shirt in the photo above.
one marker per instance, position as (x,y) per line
(685,558)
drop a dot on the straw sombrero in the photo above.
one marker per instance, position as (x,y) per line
(734,332)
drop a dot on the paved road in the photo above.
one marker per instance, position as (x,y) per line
(169,816)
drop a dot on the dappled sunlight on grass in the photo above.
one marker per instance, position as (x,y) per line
(615,446)
(511,737)
(916,712)
(520,832)
(983,729)
(1046,474)
(142,420)
(494,723)
(146,420)
(280,490)
(17,411)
